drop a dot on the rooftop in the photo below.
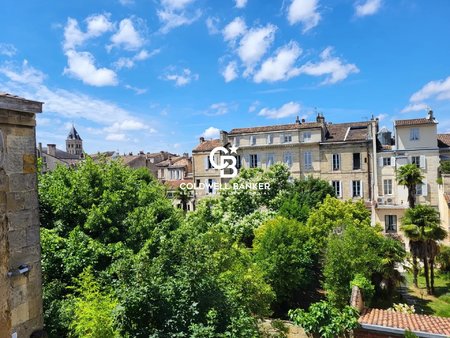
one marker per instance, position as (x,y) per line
(414,122)
(280,127)
(412,322)
(352,131)
(207,145)
(61,154)
(443,140)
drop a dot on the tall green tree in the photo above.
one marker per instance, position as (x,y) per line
(184,195)
(421,225)
(410,176)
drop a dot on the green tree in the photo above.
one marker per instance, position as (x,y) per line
(93,310)
(286,252)
(303,196)
(421,225)
(184,195)
(323,319)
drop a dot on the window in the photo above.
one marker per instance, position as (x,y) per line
(287,159)
(419,190)
(197,183)
(270,159)
(269,139)
(386,161)
(253,160)
(414,134)
(337,188)
(306,136)
(236,141)
(209,163)
(210,186)
(415,160)
(336,162)
(238,162)
(356,189)
(387,186)
(390,223)
(252,140)
(308,159)
(356,161)
(287,138)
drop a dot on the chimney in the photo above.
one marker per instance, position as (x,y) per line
(40,149)
(297,120)
(430,115)
(320,118)
(186,155)
(303,120)
(51,149)
(223,137)
(202,139)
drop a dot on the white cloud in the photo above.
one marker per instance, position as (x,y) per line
(234,29)
(281,66)
(254,45)
(182,78)
(25,74)
(138,91)
(129,62)
(333,67)
(211,133)
(368,7)
(439,89)
(126,2)
(305,12)
(216,109)
(288,109)
(116,137)
(173,14)
(212,23)
(414,107)
(381,117)
(81,65)
(253,106)
(176,4)
(96,26)
(230,72)
(127,125)
(7,49)
(127,37)
(241,3)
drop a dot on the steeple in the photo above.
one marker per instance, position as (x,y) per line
(74,143)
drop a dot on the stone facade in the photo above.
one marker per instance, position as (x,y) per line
(20,267)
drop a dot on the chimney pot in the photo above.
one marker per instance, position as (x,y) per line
(202,139)
(51,149)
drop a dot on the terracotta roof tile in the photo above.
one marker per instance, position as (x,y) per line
(207,145)
(447,199)
(412,322)
(174,184)
(443,140)
(279,127)
(413,122)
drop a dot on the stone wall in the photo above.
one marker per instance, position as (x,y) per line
(20,292)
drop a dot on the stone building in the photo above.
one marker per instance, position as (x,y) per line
(358,159)
(20,258)
(74,143)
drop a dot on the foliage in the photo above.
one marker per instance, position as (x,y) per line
(93,310)
(324,319)
(403,308)
(409,334)
(421,225)
(445,167)
(288,255)
(333,215)
(365,285)
(303,196)
(409,175)
(356,250)
(443,258)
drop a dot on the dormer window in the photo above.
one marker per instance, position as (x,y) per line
(287,138)
(414,134)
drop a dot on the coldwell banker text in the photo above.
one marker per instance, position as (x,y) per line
(220,186)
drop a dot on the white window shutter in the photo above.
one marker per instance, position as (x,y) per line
(247,160)
(424,188)
(393,161)
(380,162)
(213,187)
(258,158)
(351,189)
(362,188)
(206,162)
(206,186)
(423,162)
(341,191)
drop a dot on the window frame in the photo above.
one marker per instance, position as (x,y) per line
(359,167)
(253,161)
(359,187)
(414,134)
(336,162)
(387,183)
(307,160)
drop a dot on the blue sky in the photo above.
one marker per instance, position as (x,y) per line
(156,74)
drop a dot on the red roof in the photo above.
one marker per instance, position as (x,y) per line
(443,140)
(404,321)
(279,127)
(207,145)
(175,184)
(413,122)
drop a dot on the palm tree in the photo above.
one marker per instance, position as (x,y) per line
(409,175)
(184,195)
(421,225)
